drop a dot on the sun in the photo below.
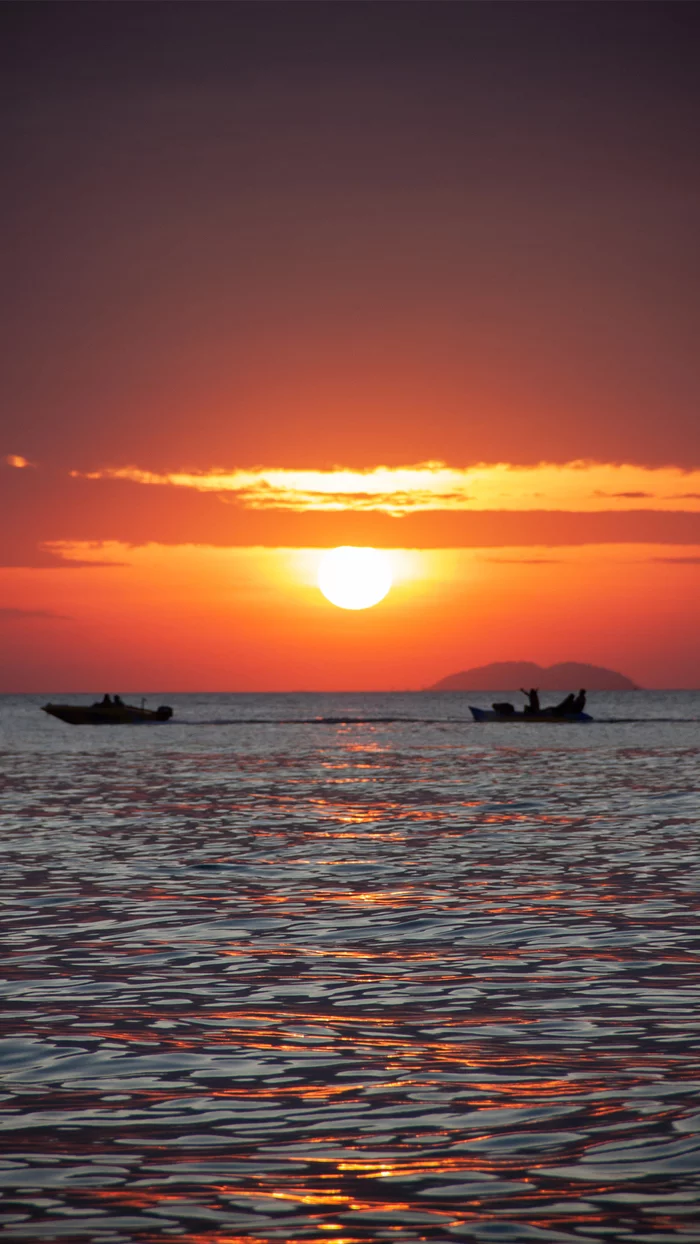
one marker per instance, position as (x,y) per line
(354,578)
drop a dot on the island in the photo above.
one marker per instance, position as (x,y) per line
(509,675)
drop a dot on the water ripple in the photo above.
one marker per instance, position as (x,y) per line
(364,986)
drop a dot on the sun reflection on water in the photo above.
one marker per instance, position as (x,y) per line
(479,1011)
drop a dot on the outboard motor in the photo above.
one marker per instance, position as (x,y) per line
(164,712)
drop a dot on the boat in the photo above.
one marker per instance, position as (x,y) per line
(545,715)
(108,714)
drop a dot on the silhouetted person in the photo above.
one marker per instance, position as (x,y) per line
(106,701)
(533,700)
(566,707)
(580,701)
(118,702)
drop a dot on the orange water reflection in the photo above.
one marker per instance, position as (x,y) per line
(437,1020)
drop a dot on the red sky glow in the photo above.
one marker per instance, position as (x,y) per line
(282,277)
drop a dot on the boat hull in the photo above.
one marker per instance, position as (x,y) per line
(544,717)
(108,714)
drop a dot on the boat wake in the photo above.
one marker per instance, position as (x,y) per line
(422,721)
(322,721)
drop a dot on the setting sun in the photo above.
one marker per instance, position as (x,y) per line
(354,578)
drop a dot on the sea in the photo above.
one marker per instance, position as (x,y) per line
(350,967)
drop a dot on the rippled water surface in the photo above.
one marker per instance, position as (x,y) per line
(383,975)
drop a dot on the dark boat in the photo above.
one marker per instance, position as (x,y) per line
(548,716)
(108,714)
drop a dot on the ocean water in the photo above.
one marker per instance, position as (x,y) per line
(350,967)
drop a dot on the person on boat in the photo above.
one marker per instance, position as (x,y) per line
(104,702)
(579,701)
(533,704)
(118,702)
(566,708)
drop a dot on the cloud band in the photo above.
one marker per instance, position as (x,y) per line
(584,487)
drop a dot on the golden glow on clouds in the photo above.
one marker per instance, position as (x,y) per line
(588,487)
(251,568)
(16,460)
(246,567)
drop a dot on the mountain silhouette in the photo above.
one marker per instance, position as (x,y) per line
(508,675)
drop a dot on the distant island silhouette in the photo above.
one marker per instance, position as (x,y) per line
(507,675)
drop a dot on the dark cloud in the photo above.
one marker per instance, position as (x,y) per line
(634,496)
(78,510)
(22,615)
(30,553)
(678,561)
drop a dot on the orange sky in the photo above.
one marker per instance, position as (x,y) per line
(199,617)
(287,277)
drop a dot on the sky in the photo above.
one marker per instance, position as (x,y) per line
(284,277)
